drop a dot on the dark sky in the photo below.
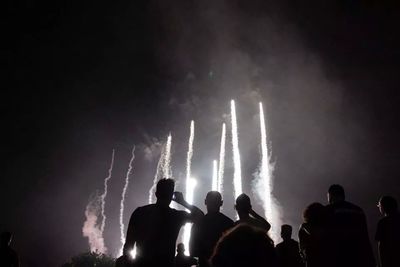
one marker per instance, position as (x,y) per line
(83,78)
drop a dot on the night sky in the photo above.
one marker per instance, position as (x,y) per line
(82,78)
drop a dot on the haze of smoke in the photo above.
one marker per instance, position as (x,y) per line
(122,204)
(104,195)
(215,181)
(90,228)
(222,160)
(161,167)
(237,175)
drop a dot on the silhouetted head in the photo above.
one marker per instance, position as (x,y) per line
(243,204)
(5,239)
(315,214)
(213,201)
(165,191)
(387,205)
(244,246)
(286,232)
(336,194)
(180,249)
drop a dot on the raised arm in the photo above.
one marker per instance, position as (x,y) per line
(195,213)
(259,218)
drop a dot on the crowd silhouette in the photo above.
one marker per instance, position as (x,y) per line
(332,235)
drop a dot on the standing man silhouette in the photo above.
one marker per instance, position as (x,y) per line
(248,215)
(209,229)
(388,232)
(288,251)
(349,242)
(154,228)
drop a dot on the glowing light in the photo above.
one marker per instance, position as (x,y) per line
(190,185)
(237,174)
(122,204)
(215,176)
(133,252)
(103,196)
(167,171)
(220,187)
(190,153)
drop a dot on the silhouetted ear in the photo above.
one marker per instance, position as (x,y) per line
(205,202)
(156,194)
(222,202)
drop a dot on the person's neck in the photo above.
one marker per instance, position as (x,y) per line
(162,203)
(244,216)
(212,211)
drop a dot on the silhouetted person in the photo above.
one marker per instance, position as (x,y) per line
(209,229)
(288,250)
(244,246)
(349,240)
(181,260)
(388,232)
(313,236)
(8,257)
(155,227)
(248,215)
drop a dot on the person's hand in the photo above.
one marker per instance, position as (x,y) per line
(178,198)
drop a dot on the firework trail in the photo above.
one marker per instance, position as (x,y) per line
(264,181)
(103,196)
(90,227)
(190,153)
(189,183)
(122,204)
(221,160)
(215,176)
(167,171)
(237,175)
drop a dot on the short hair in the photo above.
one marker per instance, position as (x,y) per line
(243,202)
(388,204)
(165,188)
(286,228)
(214,195)
(315,213)
(180,246)
(336,190)
(244,245)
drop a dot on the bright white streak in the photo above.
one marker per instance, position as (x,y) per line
(220,187)
(265,171)
(264,187)
(215,176)
(122,204)
(237,174)
(167,171)
(190,185)
(103,196)
(189,154)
